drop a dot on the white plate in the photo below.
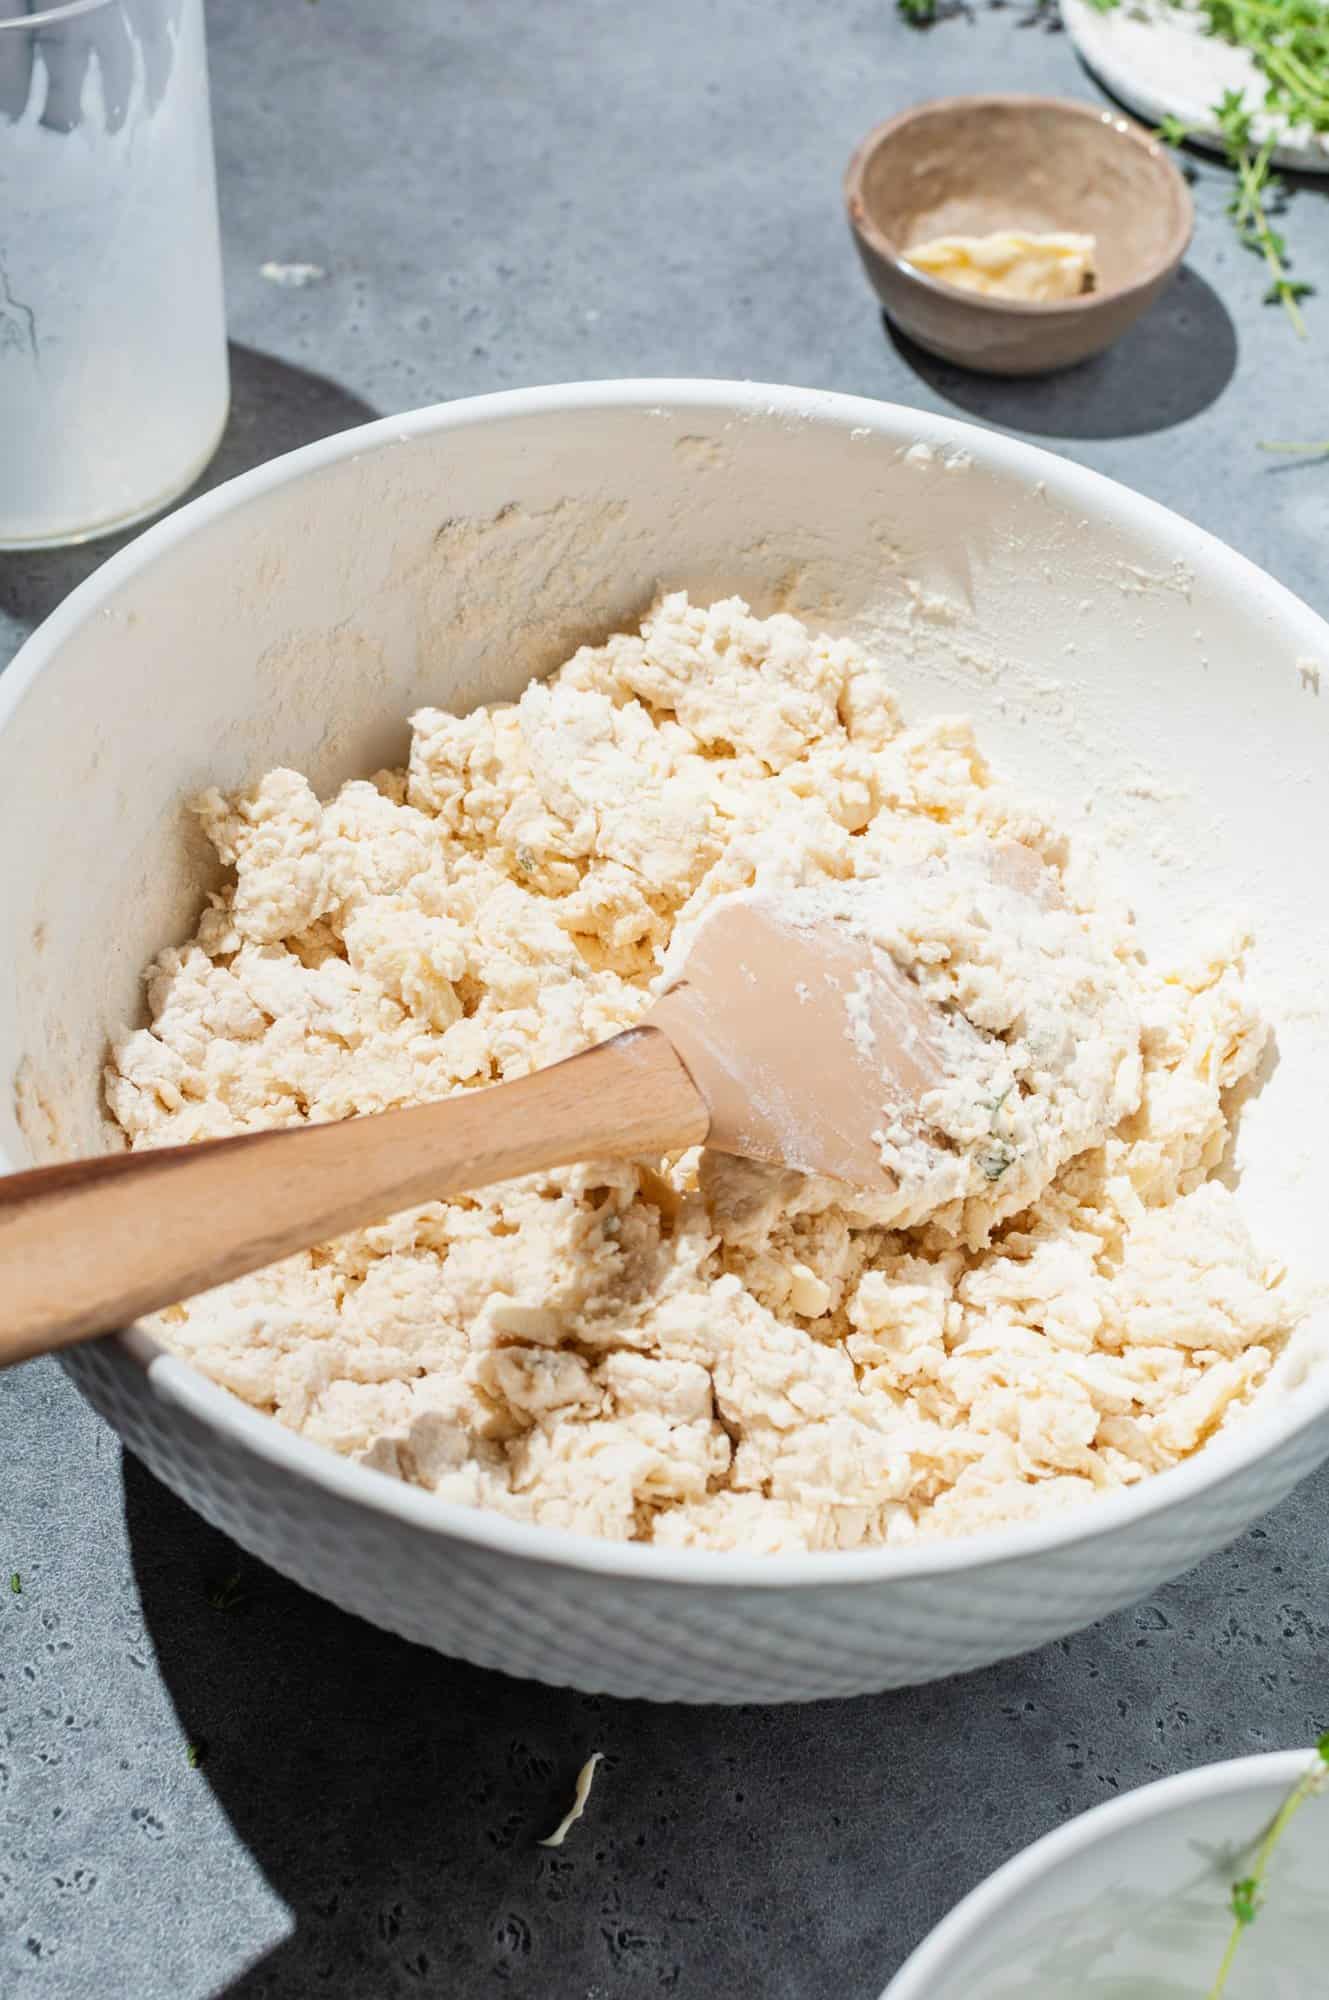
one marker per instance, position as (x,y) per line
(1157,59)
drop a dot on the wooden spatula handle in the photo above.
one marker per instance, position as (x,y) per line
(94,1244)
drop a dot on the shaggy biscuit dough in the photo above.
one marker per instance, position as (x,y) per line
(701,1351)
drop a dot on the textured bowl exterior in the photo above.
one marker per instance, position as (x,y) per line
(295,616)
(661,1640)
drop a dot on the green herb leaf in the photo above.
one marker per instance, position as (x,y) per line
(229,1594)
(1174,131)
(1246,1900)
(16,1584)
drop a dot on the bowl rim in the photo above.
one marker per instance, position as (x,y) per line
(869,231)
(1007,1883)
(861,422)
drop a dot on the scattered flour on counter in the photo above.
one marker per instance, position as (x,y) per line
(702,1351)
(295,276)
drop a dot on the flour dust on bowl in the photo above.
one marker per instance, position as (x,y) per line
(1154,689)
(1136,1898)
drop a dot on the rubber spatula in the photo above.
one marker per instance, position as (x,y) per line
(751,1051)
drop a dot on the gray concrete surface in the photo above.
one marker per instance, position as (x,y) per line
(507,193)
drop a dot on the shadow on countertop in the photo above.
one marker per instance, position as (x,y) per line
(275,407)
(395,1800)
(1172,364)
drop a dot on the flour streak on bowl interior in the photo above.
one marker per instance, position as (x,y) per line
(1158,691)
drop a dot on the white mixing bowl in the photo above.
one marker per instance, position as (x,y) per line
(1133,1899)
(1160,689)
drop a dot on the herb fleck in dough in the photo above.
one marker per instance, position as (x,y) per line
(705,1352)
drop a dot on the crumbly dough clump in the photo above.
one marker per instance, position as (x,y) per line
(699,1351)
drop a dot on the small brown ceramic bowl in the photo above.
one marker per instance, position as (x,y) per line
(965,166)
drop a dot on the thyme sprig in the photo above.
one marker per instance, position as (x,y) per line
(1247,1898)
(1260,194)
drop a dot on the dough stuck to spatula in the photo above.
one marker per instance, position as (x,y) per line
(943,1036)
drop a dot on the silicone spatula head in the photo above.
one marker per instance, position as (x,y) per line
(809,1043)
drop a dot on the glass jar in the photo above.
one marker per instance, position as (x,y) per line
(113,376)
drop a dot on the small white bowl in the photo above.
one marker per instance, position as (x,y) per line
(1131,1901)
